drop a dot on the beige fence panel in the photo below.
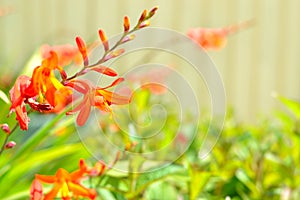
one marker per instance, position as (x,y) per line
(256,62)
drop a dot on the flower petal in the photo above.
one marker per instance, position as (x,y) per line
(53,192)
(79,190)
(81,86)
(36,190)
(45,178)
(84,114)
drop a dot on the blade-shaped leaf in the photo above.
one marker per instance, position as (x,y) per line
(4,97)
(292,105)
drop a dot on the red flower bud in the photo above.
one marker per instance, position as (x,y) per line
(143,16)
(152,12)
(5,128)
(10,145)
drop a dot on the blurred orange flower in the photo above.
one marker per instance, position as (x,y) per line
(215,38)
(66,53)
(209,39)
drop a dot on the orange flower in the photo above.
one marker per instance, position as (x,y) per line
(36,190)
(98,97)
(44,83)
(209,39)
(17,97)
(215,39)
(43,86)
(65,183)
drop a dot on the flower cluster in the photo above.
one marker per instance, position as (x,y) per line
(51,89)
(45,92)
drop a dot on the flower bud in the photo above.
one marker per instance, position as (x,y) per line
(126,24)
(10,145)
(83,50)
(128,38)
(5,128)
(144,24)
(152,12)
(103,38)
(143,16)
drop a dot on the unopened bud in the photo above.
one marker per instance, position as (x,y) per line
(103,38)
(144,24)
(128,38)
(10,145)
(152,12)
(126,24)
(143,16)
(5,128)
(82,49)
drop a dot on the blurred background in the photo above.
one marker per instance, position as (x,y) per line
(255,63)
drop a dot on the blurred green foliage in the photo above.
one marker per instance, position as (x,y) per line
(259,161)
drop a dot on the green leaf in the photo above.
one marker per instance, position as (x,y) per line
(243,177)
(161,190)
(105,194)
(34,140)
(292,105)
(4,97)
(198,181)
(146,179)
(21,167)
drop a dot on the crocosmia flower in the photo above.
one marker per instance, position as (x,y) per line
(42,92)
(209,39)
(17,97)
(215,38)
(66,185)
(98,97)
(45,84)
(36,190)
